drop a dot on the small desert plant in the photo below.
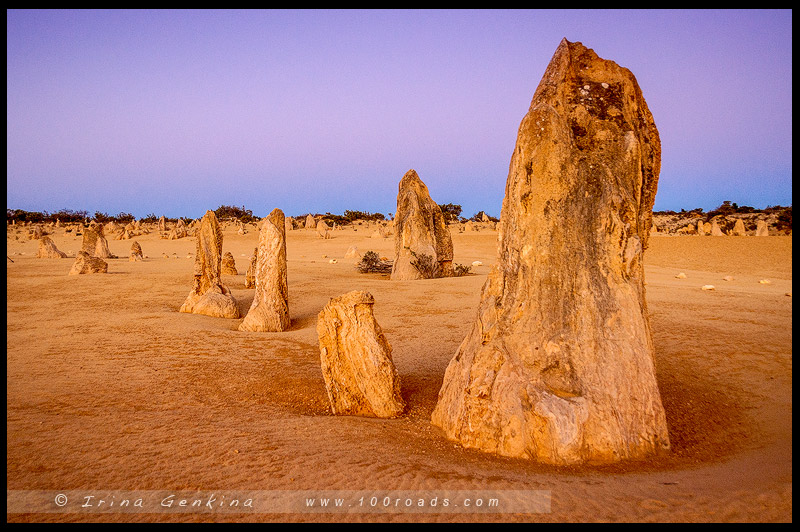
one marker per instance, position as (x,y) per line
(372,263)
(425,265)
(461,269)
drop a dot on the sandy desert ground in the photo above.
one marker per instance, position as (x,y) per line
(109,387)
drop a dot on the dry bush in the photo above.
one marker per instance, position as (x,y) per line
(425,265)
(372,263)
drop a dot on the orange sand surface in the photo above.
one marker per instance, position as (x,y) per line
(109,387)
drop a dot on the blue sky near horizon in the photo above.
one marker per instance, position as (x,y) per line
(176,112)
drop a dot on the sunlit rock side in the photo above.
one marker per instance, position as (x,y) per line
(559,366)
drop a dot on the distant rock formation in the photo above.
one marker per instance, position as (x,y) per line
(311,223)
(738,228)
(270,309)
(228,264)
(761,228)
(209,296)
(85,263)
(356,359)
(95,243)
(559,364)
(715,230)
(48,249)
(420,229)
(250,275)
(323,231)
(136,252)
(179,231)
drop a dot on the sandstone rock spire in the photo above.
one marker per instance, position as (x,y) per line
(420,229)
(209,296)
(559,365)
(356,359)
(270,309)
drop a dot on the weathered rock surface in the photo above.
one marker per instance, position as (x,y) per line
(228,264)
(323,231)
(136,252)
(209,296)
(715,230)
(762,228)
(419,229)
(270,309)
(250,275)
(559,365)
(738,228)
(356,358)
(95,243)
(179,231)
(352,253)
(311,223)
(48,249)
(85,263)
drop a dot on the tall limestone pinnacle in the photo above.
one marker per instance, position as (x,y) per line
(559,364)
(209,296)
(269,311)
(420,229)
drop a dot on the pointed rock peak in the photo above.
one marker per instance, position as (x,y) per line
(411,177)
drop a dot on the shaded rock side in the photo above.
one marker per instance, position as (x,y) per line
(269,311)
(558,366)
(419,229)
(209,296)
(356,358)
(85,263)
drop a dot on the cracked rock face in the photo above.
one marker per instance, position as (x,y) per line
(356,359)
(269,311)
(558,366)
(209,296)
(419,229)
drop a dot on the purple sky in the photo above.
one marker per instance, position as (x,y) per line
(176,112)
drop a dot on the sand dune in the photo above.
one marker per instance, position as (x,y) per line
(109,387)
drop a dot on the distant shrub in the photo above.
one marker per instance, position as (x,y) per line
(478,217)
(784,222)
(371,263)
(229,212)
(124,218)
(102,218)
(338,219)
(461,269)
(360,215)
(450,211)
